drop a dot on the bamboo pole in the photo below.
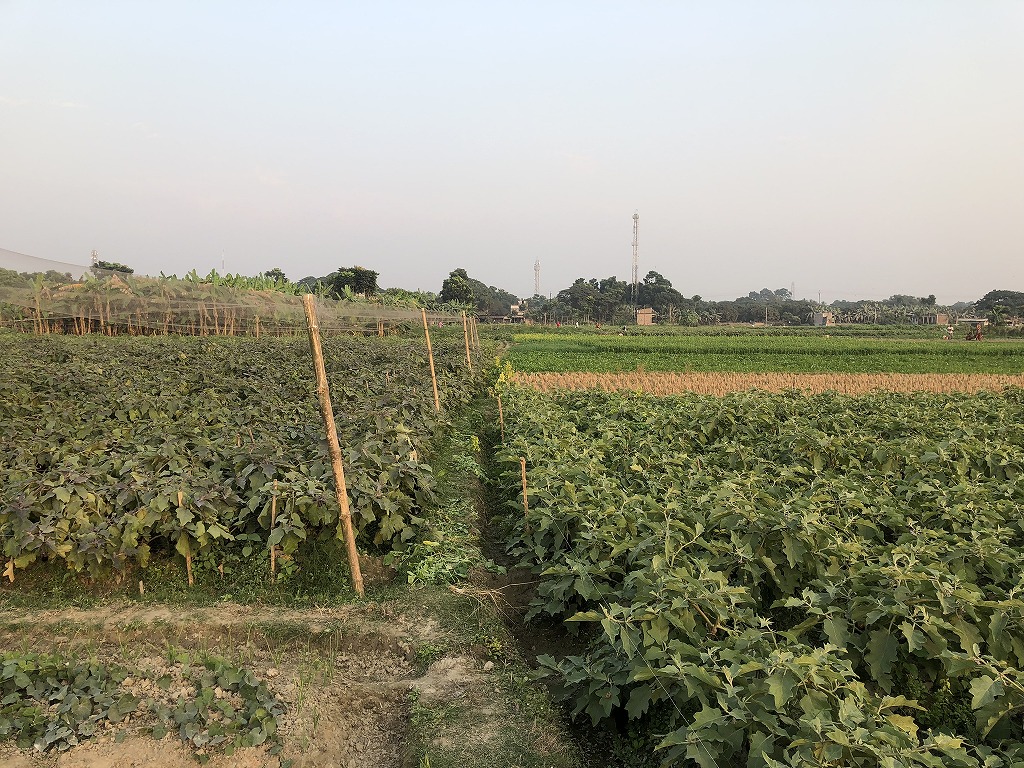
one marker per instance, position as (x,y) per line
(430,356)
(526,503)
(465,335)
(273,522)
(340,489)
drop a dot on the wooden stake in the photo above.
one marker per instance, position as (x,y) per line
(430,355)
(273,522)
(465,334)
(340,489)
(526,504)
(188,567)
(501,420)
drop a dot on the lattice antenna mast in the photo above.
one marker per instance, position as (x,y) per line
(536,278)
(636,256)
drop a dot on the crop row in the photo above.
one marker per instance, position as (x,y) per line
(720,383)
(116,447)
(797,354)
(786,580)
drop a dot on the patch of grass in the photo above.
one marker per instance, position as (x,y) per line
(427,654)
(450,547)
(818,353)
(321,578)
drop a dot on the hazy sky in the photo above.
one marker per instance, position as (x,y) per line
(858,148)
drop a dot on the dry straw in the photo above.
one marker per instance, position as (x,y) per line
(723,383)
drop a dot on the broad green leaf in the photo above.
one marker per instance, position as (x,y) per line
(985,690)
(883,649)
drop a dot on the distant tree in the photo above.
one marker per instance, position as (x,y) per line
(456,288)
(929,300)
(1011,301)
(10,278)
(490,300)
(998,313)
(112,266)
(656,291)
(276,274)
(358,280)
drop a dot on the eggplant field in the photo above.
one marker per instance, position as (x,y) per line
(116,448)
(781,579)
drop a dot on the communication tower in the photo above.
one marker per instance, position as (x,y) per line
(536,278)
(636,256)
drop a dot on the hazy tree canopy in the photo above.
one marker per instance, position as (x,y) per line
(1012,302)
(358,280)
(456,288)
(113,266)
(657,292)
(276,274)
(489,300)
(656,279)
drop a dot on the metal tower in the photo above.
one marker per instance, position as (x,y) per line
(636,256)
(536,278)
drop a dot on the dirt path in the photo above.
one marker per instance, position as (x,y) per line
(349,677)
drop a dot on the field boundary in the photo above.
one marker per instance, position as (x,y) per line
(720,383)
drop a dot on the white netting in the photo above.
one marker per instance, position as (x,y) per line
(37,296)
(23,263)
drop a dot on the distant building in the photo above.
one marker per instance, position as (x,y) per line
(516,314)
(935,318)
(822,319)
(645,316)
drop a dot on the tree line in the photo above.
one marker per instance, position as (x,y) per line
(613,301)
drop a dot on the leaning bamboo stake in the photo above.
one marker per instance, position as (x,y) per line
(465,335)
(273,523)
(340,489)
(188,566)
(430,355)
(526,503)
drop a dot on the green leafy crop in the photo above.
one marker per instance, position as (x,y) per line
(798,581)
(115,447)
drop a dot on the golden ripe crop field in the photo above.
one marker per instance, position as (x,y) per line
(720,383)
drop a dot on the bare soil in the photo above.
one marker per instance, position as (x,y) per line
(349,677)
